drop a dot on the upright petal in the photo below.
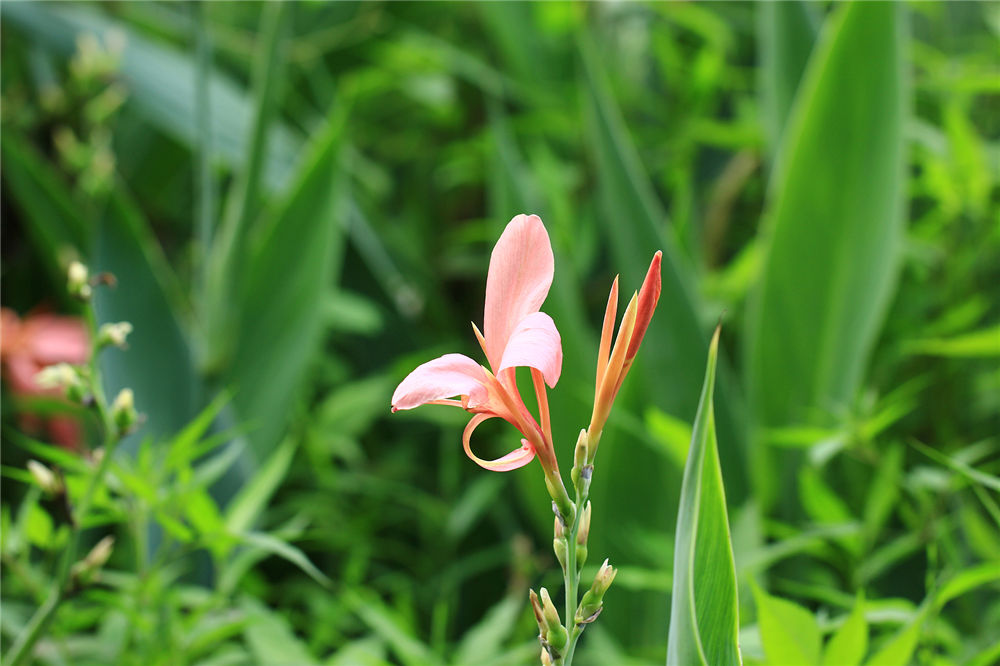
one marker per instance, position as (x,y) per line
(444,377)
(535,343)
(518,281)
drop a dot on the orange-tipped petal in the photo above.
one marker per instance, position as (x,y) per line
(480,339)
(535,343)
(444,377)
(607,331)
(517,458)
(520,274)
(649,295)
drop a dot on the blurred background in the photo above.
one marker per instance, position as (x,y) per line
(298,202)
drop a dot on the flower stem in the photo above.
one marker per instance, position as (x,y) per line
(62,585)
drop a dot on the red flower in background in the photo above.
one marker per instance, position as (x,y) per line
(30,344)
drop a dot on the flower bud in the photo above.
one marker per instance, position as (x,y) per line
(560,548)
(593,601)
(114,334)
(86,570)
(555,634)
(537,608)
(123,411)
(579,459)
(62,377)
(582,533)
(77,281)
(45,478)
(546,657)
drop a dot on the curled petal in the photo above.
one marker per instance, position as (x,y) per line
(535,343)
(517,458)
(518,281)
(444,377)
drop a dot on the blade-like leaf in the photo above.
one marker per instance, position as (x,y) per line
(835,229)
(786,34)
(289,270)
(704,622)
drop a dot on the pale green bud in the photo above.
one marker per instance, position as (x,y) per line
(536,606)
(579,460)
(114,334)
(77,281)
(123,411)
(593,601)
(560,548)
(555,634)
(45,478)
(86,570)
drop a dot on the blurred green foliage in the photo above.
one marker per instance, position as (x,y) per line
(298,202)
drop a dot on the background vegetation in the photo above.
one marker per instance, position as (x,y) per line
(298,201)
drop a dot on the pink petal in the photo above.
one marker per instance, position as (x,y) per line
(444,377)
(535,343)
(56,339)
(518,281)
(517,458)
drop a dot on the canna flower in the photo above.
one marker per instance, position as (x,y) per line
(515,334)
(27,347)
(614,364)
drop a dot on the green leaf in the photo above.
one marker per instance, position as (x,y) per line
(984,343)
(290,269)
(899,649)
(835,230)
(704,623)
(252,498)
(789,632)
(967,581)
(484,640)
(228,247)
(388,625)
(271,639)
(786,34)
(848,645)
(286,551)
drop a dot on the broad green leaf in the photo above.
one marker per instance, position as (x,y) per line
(290,269)
(899,649)
(229,244)
(789,632)
(849,643)
(704,624)
(835,230)
(786,33)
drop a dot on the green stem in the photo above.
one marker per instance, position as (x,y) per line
(62,585)
(571,581)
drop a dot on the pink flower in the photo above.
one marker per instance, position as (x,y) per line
(30,344)
(516,335)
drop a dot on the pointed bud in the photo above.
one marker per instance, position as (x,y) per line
(537,608)
(593,601)
(45,478)
(114,334)
(555,634)
(86,570)
(579,459)
(583,532)
(77,283)
(123,411)
(560,548)
(546,657)
(649,296)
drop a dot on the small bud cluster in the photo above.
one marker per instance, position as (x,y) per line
(593,601)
